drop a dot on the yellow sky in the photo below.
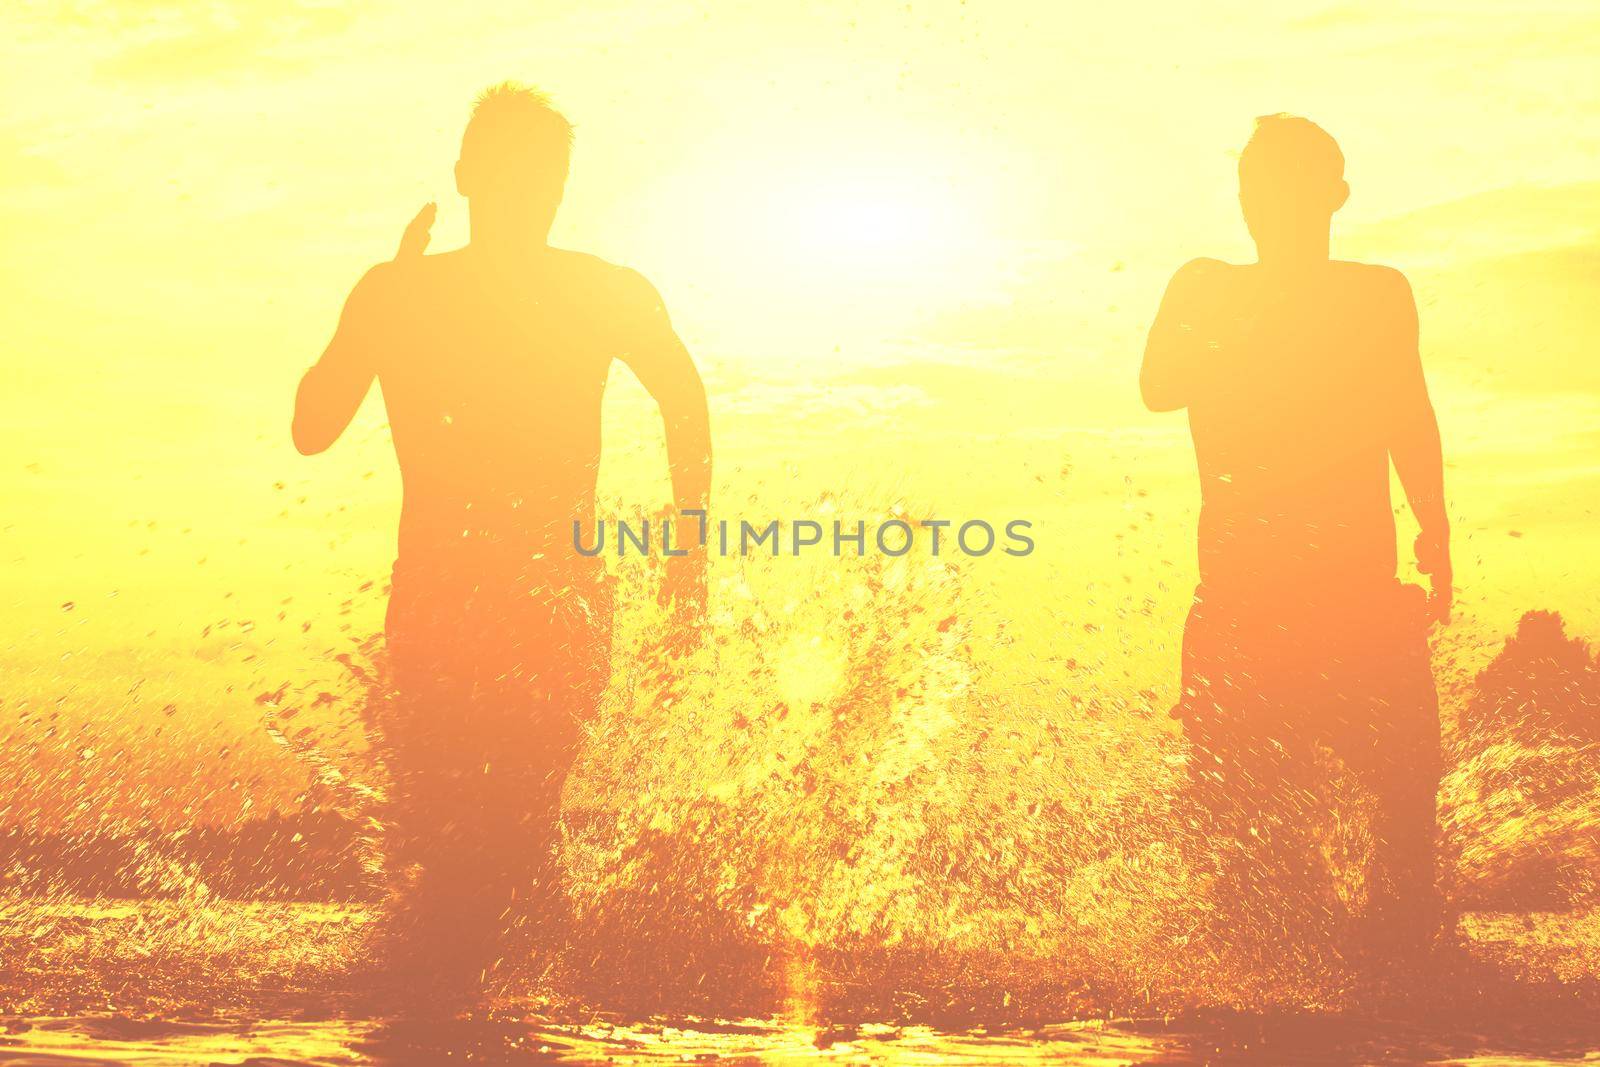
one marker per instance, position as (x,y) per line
(945,224)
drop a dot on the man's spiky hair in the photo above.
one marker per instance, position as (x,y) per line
(511,111)
(1285,142)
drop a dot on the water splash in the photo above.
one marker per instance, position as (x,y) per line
(841,804)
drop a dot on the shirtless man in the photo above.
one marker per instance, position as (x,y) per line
(1302,380)
(493,360)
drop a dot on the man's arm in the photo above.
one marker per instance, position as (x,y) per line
(1415,447)
(332,390)
(1173,354)
(652,350)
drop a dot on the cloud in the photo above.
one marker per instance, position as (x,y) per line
(177,40)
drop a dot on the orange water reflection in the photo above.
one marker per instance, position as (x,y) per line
(146,982)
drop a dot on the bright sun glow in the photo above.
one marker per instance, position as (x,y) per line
(832,227)
(879,219)
(847,230)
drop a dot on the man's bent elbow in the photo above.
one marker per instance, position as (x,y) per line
(1159,397)
(309,439)
(306,444)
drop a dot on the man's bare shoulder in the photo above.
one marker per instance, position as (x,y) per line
(401,277)
(1376,278)
(1207,267)
(374,293)
(1199,283)
(432,267)
(1205,272)
(605,282)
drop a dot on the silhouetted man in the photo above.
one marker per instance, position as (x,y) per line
(493,360)
(1302,380)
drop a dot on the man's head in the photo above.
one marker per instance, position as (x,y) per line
(514,156)
(1291,181)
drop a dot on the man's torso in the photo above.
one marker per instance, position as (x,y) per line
(1291,428)
(493,386)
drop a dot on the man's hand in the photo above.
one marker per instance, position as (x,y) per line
(414,241)
(1433,559)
